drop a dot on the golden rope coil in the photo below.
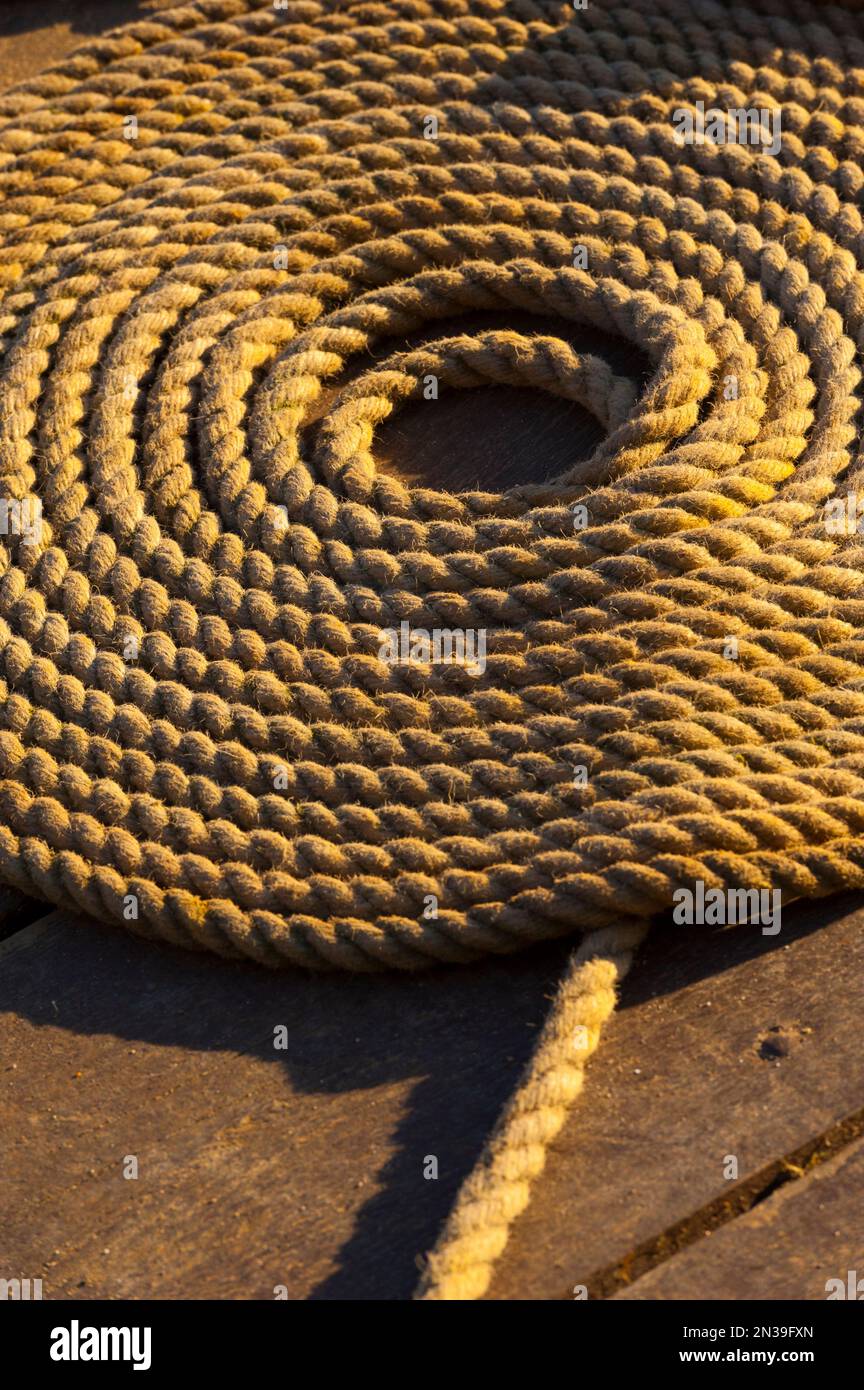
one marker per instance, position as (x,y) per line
(208,220)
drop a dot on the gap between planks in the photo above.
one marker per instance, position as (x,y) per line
(663,1245)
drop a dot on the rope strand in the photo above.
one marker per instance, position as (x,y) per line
(498,1188)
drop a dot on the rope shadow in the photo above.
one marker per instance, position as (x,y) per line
(460,1036)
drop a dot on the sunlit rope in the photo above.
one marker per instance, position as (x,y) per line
(211,219)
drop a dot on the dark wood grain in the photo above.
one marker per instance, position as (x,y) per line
(34,36)
(258,1167)
(17,911)
(304,1167)
(726,1044)
(789,1247)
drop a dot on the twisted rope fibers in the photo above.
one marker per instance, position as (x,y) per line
(175,306)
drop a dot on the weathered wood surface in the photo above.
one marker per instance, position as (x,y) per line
(304,1167)
(789,1247)
(35,35)
(728,1043)
(17,911)
(257,1167)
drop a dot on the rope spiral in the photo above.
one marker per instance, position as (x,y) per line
(216,220)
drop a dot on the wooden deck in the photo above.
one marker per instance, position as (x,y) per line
(303,1167)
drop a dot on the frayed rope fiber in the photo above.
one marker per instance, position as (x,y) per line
(218,223)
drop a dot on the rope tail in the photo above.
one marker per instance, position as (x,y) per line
(498,1189)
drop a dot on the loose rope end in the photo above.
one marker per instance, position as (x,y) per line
(499,1188)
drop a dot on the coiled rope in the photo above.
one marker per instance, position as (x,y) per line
(208,219)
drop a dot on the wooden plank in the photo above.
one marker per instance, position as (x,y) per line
(257,1167)
(17,911)
(310,1172)
(33,37)
(790,1246)
(726,1044)
(19,939)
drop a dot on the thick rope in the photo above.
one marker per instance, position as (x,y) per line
(218,227)
(498,1189)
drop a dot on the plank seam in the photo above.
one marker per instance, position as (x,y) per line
(744,1198)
